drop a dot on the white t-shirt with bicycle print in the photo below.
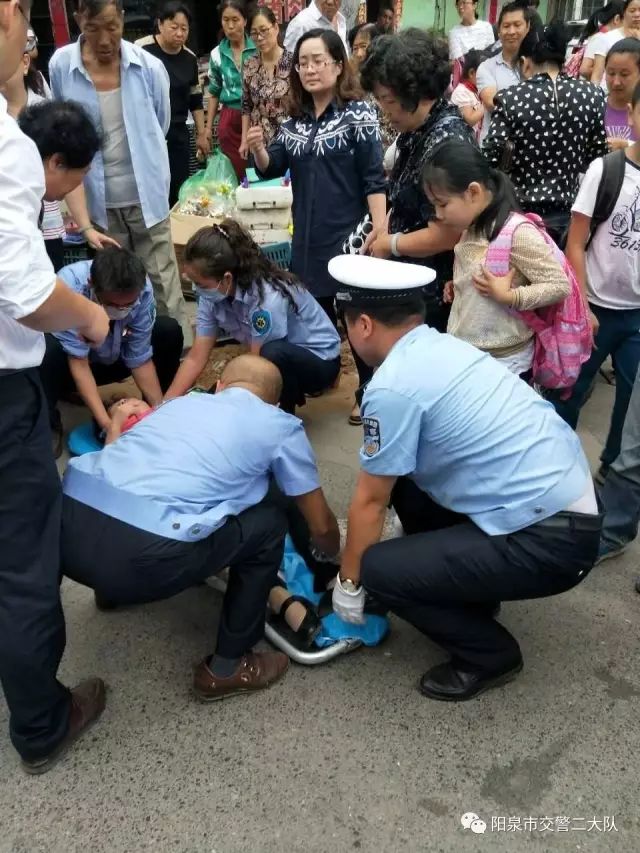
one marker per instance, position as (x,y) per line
(613,258)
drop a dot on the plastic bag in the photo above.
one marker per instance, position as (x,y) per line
(211,191)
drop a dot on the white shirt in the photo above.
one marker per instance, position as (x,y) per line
(463,39)
(613,258)
(27,278)
(602,43)
(310,19)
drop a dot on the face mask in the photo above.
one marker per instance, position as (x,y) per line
(114,313)
(211,295)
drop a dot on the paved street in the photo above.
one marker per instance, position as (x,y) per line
(348,756)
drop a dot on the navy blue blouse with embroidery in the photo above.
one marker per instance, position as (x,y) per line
(335,162)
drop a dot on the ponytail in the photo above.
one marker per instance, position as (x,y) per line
(453,165)
(228,247)
(601,17)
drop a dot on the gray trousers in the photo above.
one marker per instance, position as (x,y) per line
(620,494)
(155,249)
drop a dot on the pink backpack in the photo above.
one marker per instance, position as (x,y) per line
(563,336)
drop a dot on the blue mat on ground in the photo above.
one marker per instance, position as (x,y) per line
(299,581)
(82,440)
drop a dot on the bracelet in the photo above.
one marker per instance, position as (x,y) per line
(394,245)
(86,228)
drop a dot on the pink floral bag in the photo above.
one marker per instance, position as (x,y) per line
(563,336)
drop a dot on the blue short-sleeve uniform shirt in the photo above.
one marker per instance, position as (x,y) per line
(249,317)
(195,461)
(470,434)
(128,339)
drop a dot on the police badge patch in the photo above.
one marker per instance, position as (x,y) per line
(371,428)
(261,322)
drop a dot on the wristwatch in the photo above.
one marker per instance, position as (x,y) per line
(348,585)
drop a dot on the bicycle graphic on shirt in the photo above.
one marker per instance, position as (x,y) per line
(625,226)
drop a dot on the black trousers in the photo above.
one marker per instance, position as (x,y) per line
(179,150)
(166,340)
(446,576)
(130,566)
(32,632)
(55,250)
(328,305)
(302,372)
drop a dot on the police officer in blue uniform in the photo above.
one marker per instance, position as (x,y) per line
(243,293)
(139,343)
(492,488)
(181,496)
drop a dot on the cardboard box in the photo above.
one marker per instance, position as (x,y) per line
(184,226)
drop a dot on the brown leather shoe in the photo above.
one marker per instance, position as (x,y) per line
(255,671)
(87,703)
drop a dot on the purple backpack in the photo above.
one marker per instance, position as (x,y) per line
(563,336)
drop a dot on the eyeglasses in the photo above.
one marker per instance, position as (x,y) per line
(314,65)
(263,32)
(32,43)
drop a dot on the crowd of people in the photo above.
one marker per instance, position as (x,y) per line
(465,213)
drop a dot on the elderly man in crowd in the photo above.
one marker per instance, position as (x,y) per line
(126,91)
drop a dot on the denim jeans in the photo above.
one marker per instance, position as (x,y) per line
(620,494)
(619,337)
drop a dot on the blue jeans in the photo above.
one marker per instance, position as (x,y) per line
(620,494)
(619,337)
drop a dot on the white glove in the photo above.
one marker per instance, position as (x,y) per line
(349,606)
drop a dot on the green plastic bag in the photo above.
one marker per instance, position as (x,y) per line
(211,191)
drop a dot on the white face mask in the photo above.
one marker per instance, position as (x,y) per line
(114,313)
(211,295)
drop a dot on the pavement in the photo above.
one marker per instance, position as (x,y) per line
(347,756)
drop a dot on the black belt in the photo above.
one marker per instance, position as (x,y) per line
(8,371)
(572,521)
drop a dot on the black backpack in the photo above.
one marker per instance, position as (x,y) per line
(613,166)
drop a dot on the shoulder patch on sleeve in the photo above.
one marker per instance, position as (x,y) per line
(261,322)
(371,428)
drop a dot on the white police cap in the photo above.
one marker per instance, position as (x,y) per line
(372,281)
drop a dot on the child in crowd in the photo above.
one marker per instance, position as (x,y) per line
(622,73)
(471,196)
(607,264)
(243,293)
(465,95)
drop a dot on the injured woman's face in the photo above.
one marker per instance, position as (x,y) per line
(127,407)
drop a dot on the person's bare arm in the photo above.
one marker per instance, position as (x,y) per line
(366,519)
(322,523)
(431,240)
(191,367)
(377,203)
(598,69)
(77,203)
(212,109)
(586,69)
(577,239)
(147,381)
(86,384)
(487,95)
(63,310)
(244,146)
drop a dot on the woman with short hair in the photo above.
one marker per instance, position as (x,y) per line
(409,74)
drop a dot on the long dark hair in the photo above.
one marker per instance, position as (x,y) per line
(600,17)
(549,46)
(33,80)
(347,86)
(227,247)
(453,165)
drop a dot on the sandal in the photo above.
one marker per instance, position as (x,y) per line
(309,629)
